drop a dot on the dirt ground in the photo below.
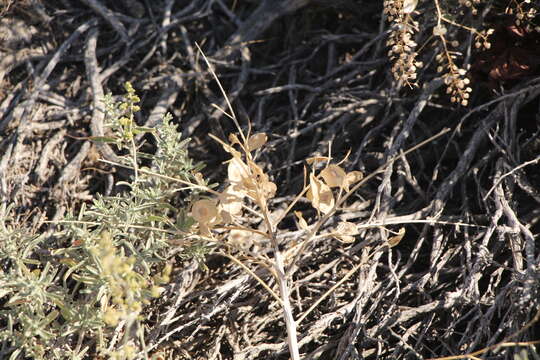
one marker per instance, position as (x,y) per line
(315,76)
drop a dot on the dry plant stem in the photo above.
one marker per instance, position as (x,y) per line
(504,342)
(109,16)
(292,339)
(278,259)
(403,220)
(530,162)
(248,270)
(187,183)
(338,203)
(336,285)
(232,114)
(94,77)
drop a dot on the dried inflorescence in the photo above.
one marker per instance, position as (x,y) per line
(249,185)
(524,12)
(515,59)
(403,51)
(455,78)
(402,46)
(457,84)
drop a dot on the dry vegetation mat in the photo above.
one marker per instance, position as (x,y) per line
(269,179)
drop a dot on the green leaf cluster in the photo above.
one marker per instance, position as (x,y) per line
(63,293)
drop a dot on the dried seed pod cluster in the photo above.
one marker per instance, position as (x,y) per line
(247,180)
(402,46)
(403,51)
(455,79)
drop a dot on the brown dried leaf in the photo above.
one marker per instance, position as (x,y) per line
(347,228)
(345,232)
(320,195)
(334,176)
(226,217)
(302,223)
(394,240)
(256,141)
(205,211)
(269,189)
(353,177)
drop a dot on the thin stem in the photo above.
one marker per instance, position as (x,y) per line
(190,185)
(133,145)
(292,338)
(250,272)
(229,105)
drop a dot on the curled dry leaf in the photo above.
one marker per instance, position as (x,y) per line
(313,191)
(257,175)
(256,141)
(347,228)
(250,180)
(335,176)
(352,178)
(225,216)
(326,199)
(394,240)
(302,223)
(269,189)
(345,238)
(320,195)
(259,182)
(346,231)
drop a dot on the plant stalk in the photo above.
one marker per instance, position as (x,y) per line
(292,339)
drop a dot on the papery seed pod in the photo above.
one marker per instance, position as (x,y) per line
(409,6)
